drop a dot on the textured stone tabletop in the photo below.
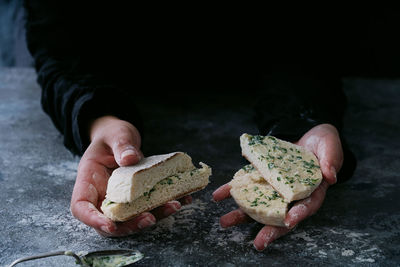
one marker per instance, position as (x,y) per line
(359,223)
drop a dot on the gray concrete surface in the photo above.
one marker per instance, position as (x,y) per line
(358,225)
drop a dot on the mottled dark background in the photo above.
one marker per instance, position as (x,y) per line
(358,225)
(371,41)
(13,51)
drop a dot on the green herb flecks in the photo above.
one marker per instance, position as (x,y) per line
(167,180)
(108,203)
(310,165)
(274,196)
(289,180)
(248,168)
(308,181)
(267,157)
(112,260)
(273,139)
(148,194)
(271,165)
(256,140)
(282,149)
(256,202)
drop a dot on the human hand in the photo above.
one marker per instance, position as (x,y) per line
(323,140)
(114,143)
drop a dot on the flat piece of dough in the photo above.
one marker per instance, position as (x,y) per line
(257,198)
(290,169)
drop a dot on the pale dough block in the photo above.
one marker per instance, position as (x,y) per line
(257,198)
(170,188)
(128,183)
(291,170)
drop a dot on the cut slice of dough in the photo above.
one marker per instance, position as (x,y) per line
(291,170)
(128,183)
(170,188)
(257,198)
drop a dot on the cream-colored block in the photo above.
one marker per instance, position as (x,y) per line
(170,188)
(257,198)
(290,169)
(128,183)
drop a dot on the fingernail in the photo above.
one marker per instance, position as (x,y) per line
(176,205)
(146,222)
(105,229)
(172,208)
(333,171)
(260,249)
(128,152)
(290,225)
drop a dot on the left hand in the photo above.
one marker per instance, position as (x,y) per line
(323,140)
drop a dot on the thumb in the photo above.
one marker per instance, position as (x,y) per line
(329,153)
(125,145)
(126,154)
(324,141)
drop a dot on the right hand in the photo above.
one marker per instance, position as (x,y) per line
(114,143)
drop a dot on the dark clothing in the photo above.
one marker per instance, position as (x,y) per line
(94,59)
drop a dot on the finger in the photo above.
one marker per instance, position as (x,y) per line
(186,200)
(267,235)
(306,207)
(83,207)
(89,190)
(330,155)
(324,141)
(87,213)
(141,222)
(234,217)
(130,227)
(222,192)
(167,209)
(126,154)
(125,145)
(91,157)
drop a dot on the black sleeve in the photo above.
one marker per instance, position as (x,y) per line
(73,93)
(294,101)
